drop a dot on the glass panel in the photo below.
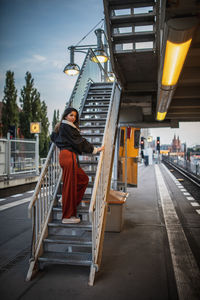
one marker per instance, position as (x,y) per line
(143,10)
(122,12)
(144,45)
(143,28)
(125,29)
(128,46)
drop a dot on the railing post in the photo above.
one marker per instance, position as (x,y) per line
(8,155)
(37,154)
(125,160)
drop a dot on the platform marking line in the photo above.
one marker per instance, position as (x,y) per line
(194,204)
(30,191)
(186,270)
(17,195)
(2,200)
(190,198)
(15,203)
(186,194)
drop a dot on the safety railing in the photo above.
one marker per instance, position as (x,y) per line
(17,156)
(98,204)
(42,202)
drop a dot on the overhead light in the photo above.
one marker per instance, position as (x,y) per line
(99,57)
(175,55)
(71,69)
(178,32)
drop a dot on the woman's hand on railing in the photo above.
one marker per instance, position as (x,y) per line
(100,149)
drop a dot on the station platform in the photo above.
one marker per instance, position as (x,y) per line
(156,256)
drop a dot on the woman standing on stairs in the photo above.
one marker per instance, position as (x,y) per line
(68,139)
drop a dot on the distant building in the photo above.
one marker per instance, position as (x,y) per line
(176,144)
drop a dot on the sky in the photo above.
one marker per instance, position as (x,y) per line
(34,37)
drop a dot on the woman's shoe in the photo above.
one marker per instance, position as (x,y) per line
(72,220)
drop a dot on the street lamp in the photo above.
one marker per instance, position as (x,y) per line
(72,68)
(99,55)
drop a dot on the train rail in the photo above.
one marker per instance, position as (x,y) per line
(188,180)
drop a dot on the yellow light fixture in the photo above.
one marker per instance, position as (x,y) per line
(71,69)
(161,116)
(99,57)
(178,32)
(175,55)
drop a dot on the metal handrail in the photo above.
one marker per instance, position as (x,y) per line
(98,204)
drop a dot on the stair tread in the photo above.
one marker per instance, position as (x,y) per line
(68,258)
(79,209)
(92,126)
(96,106)
(75,240)
(82,224)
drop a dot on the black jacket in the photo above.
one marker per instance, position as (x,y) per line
(70,138)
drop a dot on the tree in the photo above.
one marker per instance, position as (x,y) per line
(56,118)
(27,98)
(34,110)
(10,110)
(44,136)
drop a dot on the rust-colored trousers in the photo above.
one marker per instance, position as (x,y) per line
(75,182)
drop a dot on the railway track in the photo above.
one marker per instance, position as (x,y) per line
(188,180)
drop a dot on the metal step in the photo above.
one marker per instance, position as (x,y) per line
(81,210)
(97,106)
(92,119)
(80,259)
(99,99)
(90,127)
(91,113)
(58,228)
(92,135)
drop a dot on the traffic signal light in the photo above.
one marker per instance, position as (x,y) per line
(12,130)
(158,144)
(142,143)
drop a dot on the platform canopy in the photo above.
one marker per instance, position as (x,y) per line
(139,34)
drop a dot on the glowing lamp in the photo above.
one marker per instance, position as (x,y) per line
(71,69)
(161,116)
(100,56)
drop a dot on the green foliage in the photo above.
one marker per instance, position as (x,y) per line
(34,110)
(10,111)
(56,118)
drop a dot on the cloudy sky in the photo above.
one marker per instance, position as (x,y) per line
(34,37)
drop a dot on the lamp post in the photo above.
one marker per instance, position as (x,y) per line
(100,55)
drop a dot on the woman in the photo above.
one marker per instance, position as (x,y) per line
(67,137)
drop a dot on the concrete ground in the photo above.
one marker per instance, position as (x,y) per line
(136,262)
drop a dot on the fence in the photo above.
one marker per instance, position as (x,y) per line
(18,156)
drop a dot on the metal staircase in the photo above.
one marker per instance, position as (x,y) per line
(79,244)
